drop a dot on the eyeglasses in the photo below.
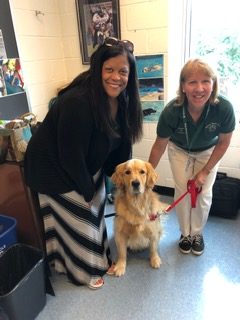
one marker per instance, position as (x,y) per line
(111,41)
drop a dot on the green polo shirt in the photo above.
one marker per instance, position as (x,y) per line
(218,118)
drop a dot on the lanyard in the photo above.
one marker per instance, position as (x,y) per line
(189,145)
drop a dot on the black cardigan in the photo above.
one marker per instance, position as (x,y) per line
(68,149)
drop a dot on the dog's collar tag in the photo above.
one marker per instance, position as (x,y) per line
(153,216)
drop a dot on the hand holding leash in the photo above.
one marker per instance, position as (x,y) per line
(193,190)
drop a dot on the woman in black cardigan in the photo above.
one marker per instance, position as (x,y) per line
(89,129)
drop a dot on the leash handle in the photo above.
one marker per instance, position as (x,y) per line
(193,190)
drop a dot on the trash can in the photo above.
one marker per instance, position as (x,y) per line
(8,234)
(22,284)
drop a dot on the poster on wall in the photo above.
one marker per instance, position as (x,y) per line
(13,97)
(151,85)
(11,79)
(97,20)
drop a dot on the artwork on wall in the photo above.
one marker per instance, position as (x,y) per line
(150,70)
(96,21)
(11,79)
(13,97)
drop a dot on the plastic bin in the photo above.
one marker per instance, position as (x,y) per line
(8,234)
(22,285)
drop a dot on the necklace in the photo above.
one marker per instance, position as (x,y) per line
(196,134)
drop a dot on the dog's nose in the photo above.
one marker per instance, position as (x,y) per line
(135,184)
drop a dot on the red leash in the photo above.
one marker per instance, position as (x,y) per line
(193,190)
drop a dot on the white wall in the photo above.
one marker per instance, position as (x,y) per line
(50,54)
(48,47)
(146,24)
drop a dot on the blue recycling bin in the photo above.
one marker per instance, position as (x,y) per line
(8,233)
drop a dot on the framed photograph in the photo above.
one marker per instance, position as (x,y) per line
(152,110)
(150,66)
(97,20)
(150,71)
(151,89)
(11,78)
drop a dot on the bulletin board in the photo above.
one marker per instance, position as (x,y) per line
(13,99)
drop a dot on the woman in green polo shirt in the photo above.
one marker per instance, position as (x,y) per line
(197,126)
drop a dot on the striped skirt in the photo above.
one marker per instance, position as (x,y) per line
(76,235)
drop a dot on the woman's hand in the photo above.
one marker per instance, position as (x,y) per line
(90,203)
(201,177)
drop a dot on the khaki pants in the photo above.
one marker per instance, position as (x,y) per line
(191,220)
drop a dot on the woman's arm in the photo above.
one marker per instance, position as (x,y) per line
(75,128)
(157,151)
(217,154)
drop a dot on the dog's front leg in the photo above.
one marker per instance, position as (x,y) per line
(155,260)
(121,243)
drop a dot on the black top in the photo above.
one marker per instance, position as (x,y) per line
(68,149)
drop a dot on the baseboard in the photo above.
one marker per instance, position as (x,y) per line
(165,191)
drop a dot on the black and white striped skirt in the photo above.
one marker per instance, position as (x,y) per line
(76,235)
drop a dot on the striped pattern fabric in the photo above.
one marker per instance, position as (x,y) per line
(76,236)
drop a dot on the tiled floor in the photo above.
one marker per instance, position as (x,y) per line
(185,287)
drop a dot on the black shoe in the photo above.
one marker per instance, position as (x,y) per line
(185,244)
(197,244)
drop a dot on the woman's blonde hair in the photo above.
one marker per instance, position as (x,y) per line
(192,66)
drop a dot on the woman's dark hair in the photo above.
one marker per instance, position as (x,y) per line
(129,100)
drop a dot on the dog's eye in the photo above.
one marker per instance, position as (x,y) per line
(127,172)
(142,172)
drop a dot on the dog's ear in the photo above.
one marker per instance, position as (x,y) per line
(151,175)
(117,176)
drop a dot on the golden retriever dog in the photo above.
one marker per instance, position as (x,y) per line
(137,223)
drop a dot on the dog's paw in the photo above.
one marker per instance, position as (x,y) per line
(155,262)
(119,269)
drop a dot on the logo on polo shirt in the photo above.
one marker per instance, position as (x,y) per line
(211,127)
(180,131)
